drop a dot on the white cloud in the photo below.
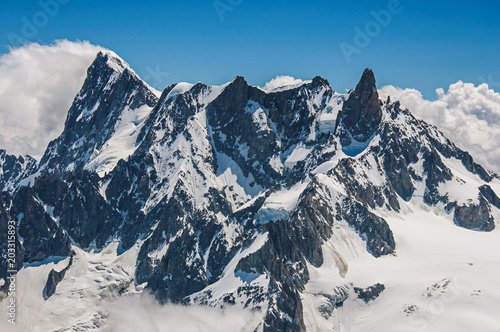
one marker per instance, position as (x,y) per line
(37,86)
(144,314)
(282,83)
(466,114)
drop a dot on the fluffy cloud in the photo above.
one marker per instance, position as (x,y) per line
(37,86)
(282,82)
(466,114)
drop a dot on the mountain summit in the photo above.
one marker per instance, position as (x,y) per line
(105,116)
(362,112)
(299,204)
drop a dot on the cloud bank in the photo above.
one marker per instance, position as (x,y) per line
(468,115)
(37,86)
(145,314)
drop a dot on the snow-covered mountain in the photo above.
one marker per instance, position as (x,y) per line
(14,169)
(311,209)
(104,120)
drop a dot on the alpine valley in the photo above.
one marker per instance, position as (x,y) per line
(299,208)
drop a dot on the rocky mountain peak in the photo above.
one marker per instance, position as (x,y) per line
(239,86)
(111,93)
(13,169)
(111,60)
(234,97)
(361,113)
(319,81)
(106,74)
(367,82)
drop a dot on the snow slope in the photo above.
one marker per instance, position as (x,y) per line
(442,278)
(122,143)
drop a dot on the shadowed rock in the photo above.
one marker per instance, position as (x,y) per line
(370,293)
(361,113)
(54,279)
(477,217)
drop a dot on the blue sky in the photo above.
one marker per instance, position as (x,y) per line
(423,45)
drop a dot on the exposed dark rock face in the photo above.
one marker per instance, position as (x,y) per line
(370,293)
(138,176)
(167,283)
(13,256)
(38,236)
(361,113)
(54,279)
(77,203)
(171,115)
(475,216)
(110,88)
(177,227)
(288,302)
(237,135)
(379,238)
(348,174)
(290,110)
(14,169)
(41,234)
(436,173)
(490,195)
(253,127)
